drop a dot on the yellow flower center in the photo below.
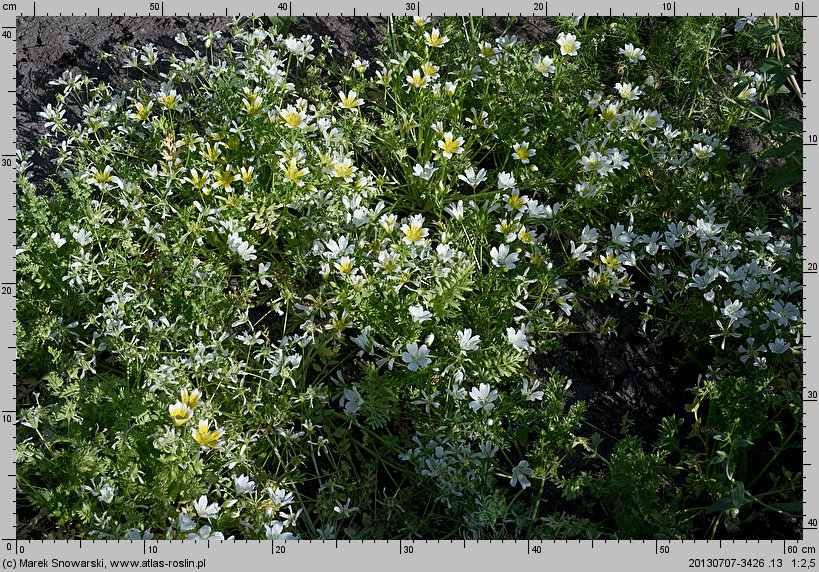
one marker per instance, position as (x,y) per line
(435,41)
(515,202)
(413,233)
(180,415)
(253,107)
(451,145)
(567,46)
(191,399)
(205,437)
(522,153)
(418,80)
(224,178)
(103,177)
(343,170)
(292,171)
(612,261)
(609,112)
(292,118)
(507,227)
(142,111)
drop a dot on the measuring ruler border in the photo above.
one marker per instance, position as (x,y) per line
(642,554)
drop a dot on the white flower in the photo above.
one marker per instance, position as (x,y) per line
(617,159)
(364,340)
(744,21)
(702,151)
(628,92)
(456,210)
(243,485)
(185,522)
(416,357)
(734,311)
(506,181)
(568,44)
(595,161)
(275,531)
(425,171)
(420,314)
(136,534)
(205,510)
(58,240)
(589,235)
(519,474)
(204,533)
(106,492)
(482,398)
(434,39)
(350,101)
(83,237)
(241,247)
(781,313)
(473,179)
(351,401)
(502,258)
(414,231)
(518,339)
(451,145)
(280,497)
(633,54)
(522,153)
(467,341)
(779,346)
(543,64)
(652,119)
(531,393)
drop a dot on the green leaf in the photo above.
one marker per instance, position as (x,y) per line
(722,504)
(787,125)
(792,507)
(787,176)
(738,494)
(790,147)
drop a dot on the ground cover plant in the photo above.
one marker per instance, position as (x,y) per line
(270,290)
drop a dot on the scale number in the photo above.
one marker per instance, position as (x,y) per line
(153,6)
(537,6)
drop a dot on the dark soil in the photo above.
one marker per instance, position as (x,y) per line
(622,377)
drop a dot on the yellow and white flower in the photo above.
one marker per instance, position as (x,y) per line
(450,145)
(350,101)
(568,44)
(414,231)
(522,152)
(434,39)
(207,438)
(180,413)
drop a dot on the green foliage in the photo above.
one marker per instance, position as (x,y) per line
(280,292)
